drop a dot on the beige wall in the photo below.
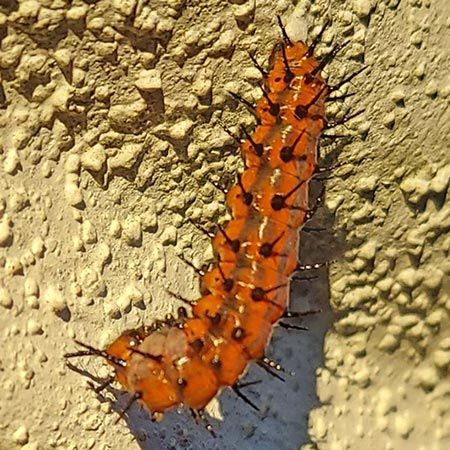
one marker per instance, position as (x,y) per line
(109,139)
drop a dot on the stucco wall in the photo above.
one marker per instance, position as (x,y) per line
(110,137)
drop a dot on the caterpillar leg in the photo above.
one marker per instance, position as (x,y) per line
(200,418)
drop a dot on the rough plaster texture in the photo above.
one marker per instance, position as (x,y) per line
(110,140)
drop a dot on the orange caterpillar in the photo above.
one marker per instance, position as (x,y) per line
(187,361)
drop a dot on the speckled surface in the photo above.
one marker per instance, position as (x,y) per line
(110,140)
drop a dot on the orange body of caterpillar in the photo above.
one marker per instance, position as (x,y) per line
(246,293)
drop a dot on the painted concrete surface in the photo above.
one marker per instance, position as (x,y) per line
(111,140)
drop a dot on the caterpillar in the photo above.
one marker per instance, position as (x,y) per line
(187,360)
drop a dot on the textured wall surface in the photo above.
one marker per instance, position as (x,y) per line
(110,141)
